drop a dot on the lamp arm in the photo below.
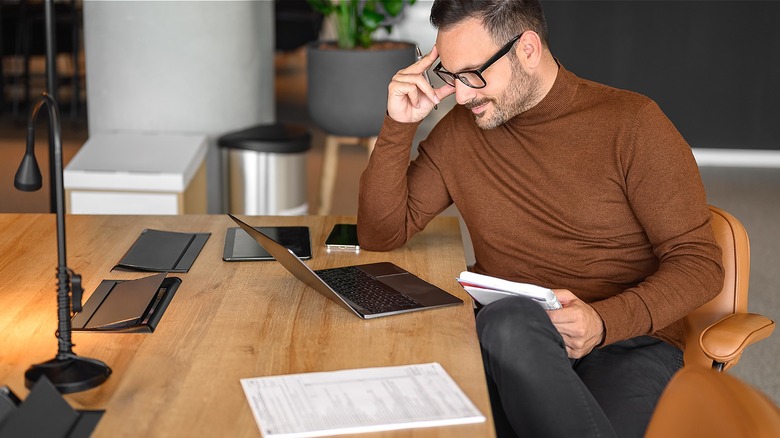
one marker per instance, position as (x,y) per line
(64,274)
(59,188)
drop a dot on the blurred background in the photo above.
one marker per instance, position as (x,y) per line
(210,68)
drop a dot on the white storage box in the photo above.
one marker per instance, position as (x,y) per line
(133,173)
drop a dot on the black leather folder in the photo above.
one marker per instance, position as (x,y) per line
(163,251)
(134,306)
(45,413)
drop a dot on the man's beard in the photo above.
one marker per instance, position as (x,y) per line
(520,95)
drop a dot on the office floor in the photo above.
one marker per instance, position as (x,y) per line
(752,195)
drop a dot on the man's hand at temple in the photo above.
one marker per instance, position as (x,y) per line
(409,96)
(578,323)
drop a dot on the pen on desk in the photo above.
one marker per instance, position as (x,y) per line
(425,73)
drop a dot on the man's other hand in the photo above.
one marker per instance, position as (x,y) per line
(578,323)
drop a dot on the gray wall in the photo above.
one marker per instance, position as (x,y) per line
(180,67)
(712,66)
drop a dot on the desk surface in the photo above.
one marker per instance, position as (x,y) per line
(227,321)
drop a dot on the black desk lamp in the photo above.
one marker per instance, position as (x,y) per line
(68,372)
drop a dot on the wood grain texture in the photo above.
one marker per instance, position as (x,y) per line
(227,321)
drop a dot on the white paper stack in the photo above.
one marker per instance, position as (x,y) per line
(486,289)
(361,400)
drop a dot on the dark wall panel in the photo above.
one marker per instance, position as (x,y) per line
(712,66)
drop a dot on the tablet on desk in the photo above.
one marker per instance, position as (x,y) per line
(240,247)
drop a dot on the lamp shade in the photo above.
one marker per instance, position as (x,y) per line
(28,177)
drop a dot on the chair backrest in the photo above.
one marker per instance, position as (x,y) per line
(704,403)
(733,240)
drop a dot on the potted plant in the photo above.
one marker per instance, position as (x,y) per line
(348,78)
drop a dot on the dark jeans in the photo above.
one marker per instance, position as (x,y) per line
(537,391)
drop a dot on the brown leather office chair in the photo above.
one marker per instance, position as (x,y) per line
(718,332)
(704,403)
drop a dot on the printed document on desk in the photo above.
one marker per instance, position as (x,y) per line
(355,401)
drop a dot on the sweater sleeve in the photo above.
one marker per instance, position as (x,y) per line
(665,190)
(396,200)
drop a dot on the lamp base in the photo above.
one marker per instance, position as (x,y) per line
(69,374)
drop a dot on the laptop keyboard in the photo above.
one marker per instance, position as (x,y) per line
(360,288)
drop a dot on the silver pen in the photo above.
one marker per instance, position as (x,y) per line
(425,73)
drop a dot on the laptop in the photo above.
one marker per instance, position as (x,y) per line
(368,291)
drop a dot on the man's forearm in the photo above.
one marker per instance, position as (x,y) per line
(383,189)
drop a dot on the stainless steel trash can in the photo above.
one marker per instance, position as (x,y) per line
(265,167)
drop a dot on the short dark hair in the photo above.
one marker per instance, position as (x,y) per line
(503,19)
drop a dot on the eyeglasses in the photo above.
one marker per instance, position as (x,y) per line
(473,78)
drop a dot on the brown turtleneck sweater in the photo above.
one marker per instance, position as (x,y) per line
(592,190)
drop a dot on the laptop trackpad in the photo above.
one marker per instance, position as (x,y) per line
(382,268)
(420,290)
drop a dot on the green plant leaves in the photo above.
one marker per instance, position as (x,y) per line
(356,20)
(324,7)
(393,7)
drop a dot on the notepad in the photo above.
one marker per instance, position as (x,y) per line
(163,251)
(486,289)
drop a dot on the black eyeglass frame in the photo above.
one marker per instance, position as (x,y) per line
(445,75)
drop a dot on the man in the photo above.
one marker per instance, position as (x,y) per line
(563,183)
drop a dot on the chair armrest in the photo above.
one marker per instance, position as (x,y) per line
(724,340)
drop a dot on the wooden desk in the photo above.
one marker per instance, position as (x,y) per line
(227,321)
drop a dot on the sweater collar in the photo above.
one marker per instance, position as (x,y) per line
(554,103)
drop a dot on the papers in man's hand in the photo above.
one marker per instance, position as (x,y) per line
(486,289)
(362,400)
